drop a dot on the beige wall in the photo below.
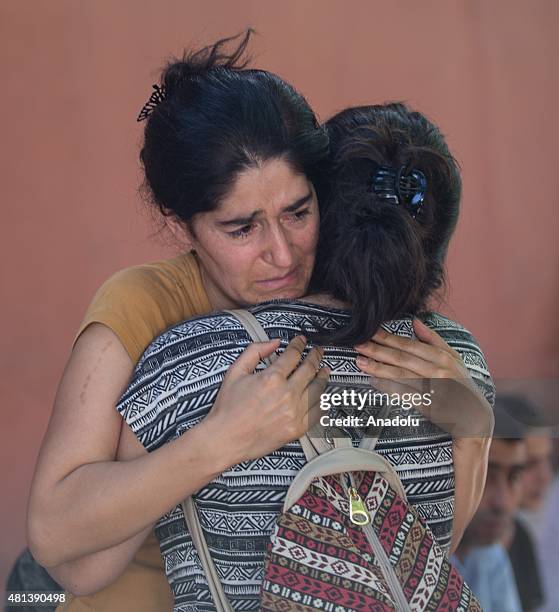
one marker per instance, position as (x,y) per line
(75,74)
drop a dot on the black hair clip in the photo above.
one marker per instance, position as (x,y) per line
(158,96)
(404,189)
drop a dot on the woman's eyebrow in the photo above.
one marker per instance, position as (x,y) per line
(239,220)
(298,203)
(250,218)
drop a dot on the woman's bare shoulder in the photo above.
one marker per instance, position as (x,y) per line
(139,302)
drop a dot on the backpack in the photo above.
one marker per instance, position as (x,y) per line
(346,539)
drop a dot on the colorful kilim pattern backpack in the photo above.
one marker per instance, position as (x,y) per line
(347,539)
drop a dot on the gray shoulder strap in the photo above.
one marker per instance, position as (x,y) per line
(194,528)
(369,443)
(254,329)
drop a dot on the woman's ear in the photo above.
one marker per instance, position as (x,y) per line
(181,232)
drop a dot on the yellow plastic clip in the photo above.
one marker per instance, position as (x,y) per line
(358,514)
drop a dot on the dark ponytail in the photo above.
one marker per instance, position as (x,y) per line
(374,254)
(218,118)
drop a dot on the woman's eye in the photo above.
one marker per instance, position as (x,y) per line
(241,232)
(301,214)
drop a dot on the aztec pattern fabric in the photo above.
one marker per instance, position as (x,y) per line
(319,560)
(174,387)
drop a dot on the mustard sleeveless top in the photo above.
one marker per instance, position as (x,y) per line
(139,303)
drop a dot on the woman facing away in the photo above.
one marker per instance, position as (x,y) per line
(89,512)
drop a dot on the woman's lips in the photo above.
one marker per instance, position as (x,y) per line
(280,281)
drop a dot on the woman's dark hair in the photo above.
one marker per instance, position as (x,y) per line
(372,253)
(217,119)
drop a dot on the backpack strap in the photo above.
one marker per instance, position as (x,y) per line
(194,528)
(311,447)
(369,443)
(258,334)
(339,461)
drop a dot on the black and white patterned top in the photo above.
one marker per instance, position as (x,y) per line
(174,386)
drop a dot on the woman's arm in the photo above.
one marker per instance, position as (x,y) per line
(83,501)
(470,456)
(457,406)
(91,573)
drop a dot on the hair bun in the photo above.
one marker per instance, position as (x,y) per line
(198,63)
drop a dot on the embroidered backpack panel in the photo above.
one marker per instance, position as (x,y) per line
(318,559)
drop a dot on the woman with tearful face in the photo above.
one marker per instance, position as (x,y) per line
(223,144)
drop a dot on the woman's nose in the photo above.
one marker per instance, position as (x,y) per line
(279,251)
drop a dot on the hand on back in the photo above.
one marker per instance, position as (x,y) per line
(257,413)
(427,364)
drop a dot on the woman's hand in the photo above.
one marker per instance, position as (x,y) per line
(428,365)
(404,365)
(257,413)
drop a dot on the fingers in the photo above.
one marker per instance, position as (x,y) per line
(257,351)
(408,345)
(249,358)
(412,357)
(317,386)
(308,370)
(290,358)
(312,411)
(387,365)
(401,355)
(430,336)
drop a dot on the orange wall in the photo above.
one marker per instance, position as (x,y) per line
(75,74)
